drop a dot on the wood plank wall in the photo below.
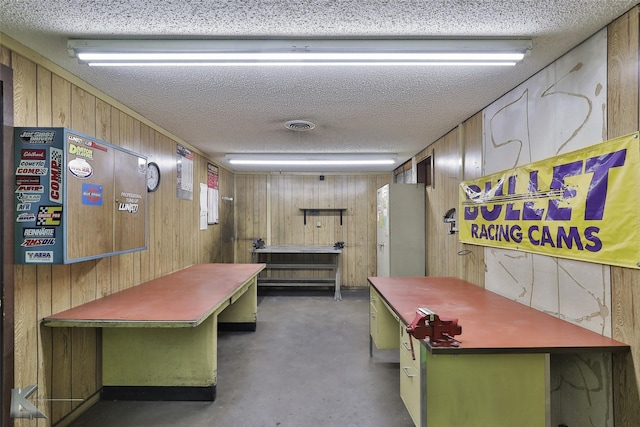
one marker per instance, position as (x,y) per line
(268,207)
(64,362)
(456,156)
(471,266)
(623,107)
(442,195)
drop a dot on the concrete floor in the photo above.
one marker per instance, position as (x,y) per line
(307,364)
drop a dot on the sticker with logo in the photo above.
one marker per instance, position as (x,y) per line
(22,207)
(37,137)
(33,154)
(26,217)
(32,171)
(32,164)
(81,151)
(27,180)
(91,194)
(86,142)
(38,256)
(30,189)
(49,215)
(128,207)
(130,202)
(80,168)
(55,179)
(95,145)
(29,243)
(28,198)
(32,232)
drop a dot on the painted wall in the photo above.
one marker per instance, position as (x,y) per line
(559,110)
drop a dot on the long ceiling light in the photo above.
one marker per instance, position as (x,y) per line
(285,159)
(298,52)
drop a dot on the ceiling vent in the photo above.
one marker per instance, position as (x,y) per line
(299,125)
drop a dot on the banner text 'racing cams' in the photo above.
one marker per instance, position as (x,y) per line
(581,205)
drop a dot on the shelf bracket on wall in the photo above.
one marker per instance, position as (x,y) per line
(315,211)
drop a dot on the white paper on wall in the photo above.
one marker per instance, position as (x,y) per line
(212,205)
(203,206)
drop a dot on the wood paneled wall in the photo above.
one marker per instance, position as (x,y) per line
(456,156)
(65,362)
(442,195)
(623,107)
(472,266)
(268,207)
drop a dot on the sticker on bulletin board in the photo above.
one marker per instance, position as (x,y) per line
(80,168)
(91,194)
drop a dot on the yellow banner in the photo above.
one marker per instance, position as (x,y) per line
(581,205)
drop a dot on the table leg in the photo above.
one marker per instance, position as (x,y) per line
(160,363)
(242,314)
(493,389)
(336,261)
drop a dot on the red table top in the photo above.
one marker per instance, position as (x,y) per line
(490,323)
(183,298)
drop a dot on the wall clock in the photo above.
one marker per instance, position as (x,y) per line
(153,177)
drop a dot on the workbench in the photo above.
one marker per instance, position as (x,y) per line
(159,338)
(299,258)
(499,373)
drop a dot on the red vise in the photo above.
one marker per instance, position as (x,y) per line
(441,331)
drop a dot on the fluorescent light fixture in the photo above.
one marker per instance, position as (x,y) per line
(310,162)
(346,52)
(285,160)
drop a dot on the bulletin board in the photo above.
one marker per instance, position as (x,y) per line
(71,205)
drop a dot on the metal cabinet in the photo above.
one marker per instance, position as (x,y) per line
(401,230)
(387,332)
(383,322)
(412,375)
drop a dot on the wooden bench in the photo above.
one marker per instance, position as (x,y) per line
(159,338)
(305,261)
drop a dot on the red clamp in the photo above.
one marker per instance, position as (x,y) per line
(439,330)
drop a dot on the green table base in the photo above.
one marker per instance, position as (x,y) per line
(163,357)
(471,390)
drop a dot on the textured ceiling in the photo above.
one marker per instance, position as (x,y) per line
(243,110)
